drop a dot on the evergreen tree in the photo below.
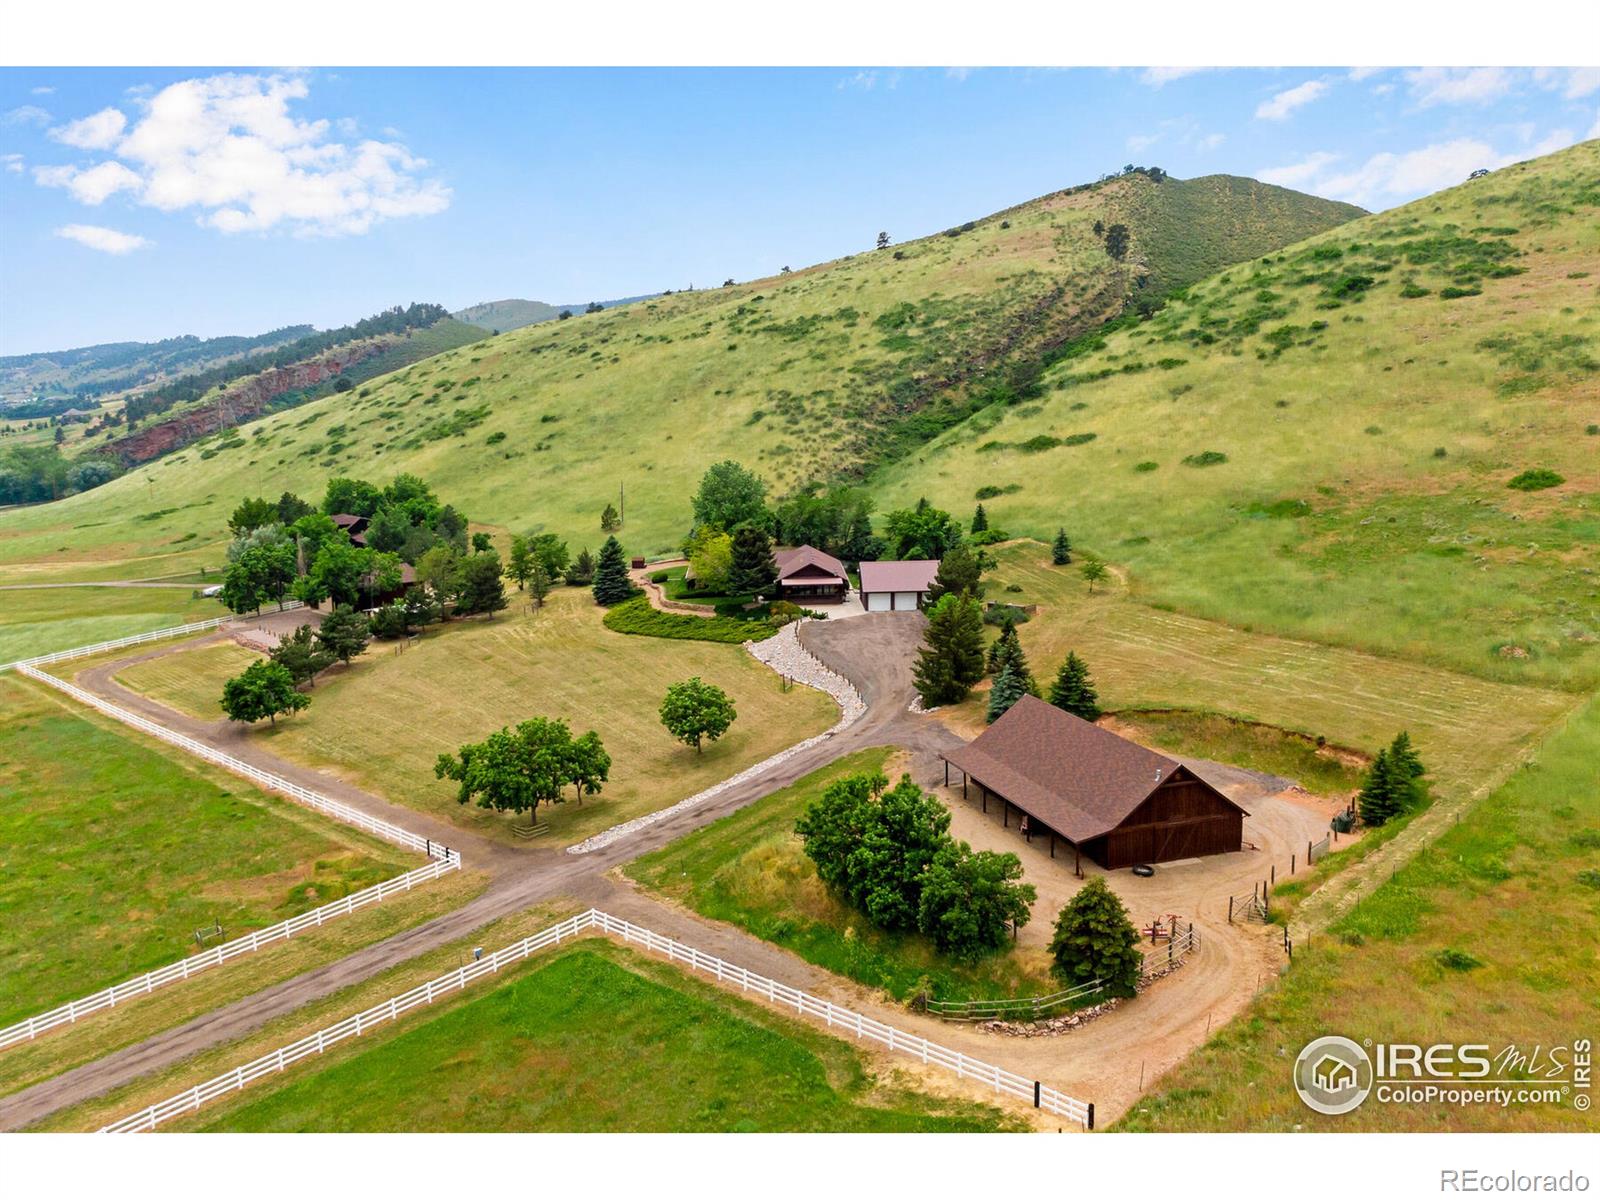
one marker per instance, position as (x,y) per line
(302,656)
(482,589)
(1390,788)
(1006,650)
(980,519)
(1073,690)
(581,572)
(959,572)
(610,521)
(754,570)
(611,582)
(1007,690)
(1061,549)
(951,658)
(1404,757)
(343,633)
(1095,940)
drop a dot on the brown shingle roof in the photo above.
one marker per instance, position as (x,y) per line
(790,561)
(1077,778)
(909,575)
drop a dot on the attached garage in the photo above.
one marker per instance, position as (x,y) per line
(897,586)
(1108,798)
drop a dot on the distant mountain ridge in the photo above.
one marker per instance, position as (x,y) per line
(502,316)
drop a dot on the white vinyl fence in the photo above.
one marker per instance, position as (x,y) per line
(184,968)
(137,639)
(334,808)
(1002,1081)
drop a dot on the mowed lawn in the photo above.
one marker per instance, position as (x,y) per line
(383,721)
(601,1040)
(1514,887)
(1466,728)
(112,854)
(43,620)
(187,680)
(750,869)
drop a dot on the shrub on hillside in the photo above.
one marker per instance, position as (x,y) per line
(1206,458)
(1536,479)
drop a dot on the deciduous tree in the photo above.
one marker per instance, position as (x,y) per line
(730,496)
(481,589)
(694,710)
(970,901)
(263,689)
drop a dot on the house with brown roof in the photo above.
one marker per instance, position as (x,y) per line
(891,586)
(1110,799)
(808,576)
(355,526)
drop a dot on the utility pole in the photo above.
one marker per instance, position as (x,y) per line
(622,504)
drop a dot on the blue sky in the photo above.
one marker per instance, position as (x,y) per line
(139,204)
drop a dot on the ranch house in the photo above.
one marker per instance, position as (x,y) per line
(891,586)
(1110,799)
(808,576)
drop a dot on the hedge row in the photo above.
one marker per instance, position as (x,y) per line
(636,616)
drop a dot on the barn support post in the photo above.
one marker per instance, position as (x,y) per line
(1052,843)
(1230,910)
(963,785)
(1077,861)
(1005,813)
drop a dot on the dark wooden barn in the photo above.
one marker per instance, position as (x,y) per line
(1112,800)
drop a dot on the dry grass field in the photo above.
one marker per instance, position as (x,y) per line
(383,721)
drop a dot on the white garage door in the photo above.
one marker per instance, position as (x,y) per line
(905,600)
(878,601)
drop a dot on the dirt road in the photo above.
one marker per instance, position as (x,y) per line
(1102,1062)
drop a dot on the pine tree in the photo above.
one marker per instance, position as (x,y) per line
(610,520)
(611,582)
(980,520)
(1404,757)
(1073,691)
(753,570)
(1006,651)
(958,572)
(1061,549)
(1379,800)
(581,572)
(1095,940)
(1007,690)
(343,633)
(951,658)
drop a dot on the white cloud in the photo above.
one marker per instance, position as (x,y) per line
(1458,85)
(98,237)
(12,163)
(1161,76)
(1582,81)
(1298,174)
(1142,141)
(1392,178)
(92,186)
(1211,141)
(863,81)
(1357,74)
(1284,103)
(41,91)
(99,132)
(27,114)
(229,147)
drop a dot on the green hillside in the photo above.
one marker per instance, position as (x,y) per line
(1372,392)
(502,316)
(821,373)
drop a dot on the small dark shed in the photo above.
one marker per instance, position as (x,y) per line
(1111,799)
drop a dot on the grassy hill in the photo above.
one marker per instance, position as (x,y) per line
(1319,442)
(824,372)
(502,316)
